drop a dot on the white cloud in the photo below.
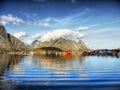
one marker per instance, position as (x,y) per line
(3,22)
(82,28)
(89,45)
(5,19)
(36,36)
(46,22)
(62,33)
(28,42)
(46,25)
(53,20)
(47,19)
(20,35)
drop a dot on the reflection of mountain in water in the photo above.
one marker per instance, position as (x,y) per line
(41,70)
(59,63)
(7,61)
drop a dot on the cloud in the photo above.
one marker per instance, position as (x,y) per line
(46,25)
(82,28)
(88,45)
(28,42)
(46,22)
(62,33)
(52,20)
(6,19)
(3,22)
(36,36)
(20,35)
(47,19)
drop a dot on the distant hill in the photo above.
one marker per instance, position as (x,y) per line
(7,41)
(63,45)
(34,42)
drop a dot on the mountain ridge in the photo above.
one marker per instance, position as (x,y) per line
(9,42)
(62,44)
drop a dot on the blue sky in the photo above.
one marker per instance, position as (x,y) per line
(96,22)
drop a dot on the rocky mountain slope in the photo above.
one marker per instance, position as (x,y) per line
(63,44)
(7,41)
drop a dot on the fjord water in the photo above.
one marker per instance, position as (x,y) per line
(59,73)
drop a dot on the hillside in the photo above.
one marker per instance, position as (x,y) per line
(7,41)
(63,44)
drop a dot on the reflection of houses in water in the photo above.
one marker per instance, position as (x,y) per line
(60,65)
(56,63)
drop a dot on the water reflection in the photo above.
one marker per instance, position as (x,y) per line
(7,61)
(47,71)
(3,64)
(55,63)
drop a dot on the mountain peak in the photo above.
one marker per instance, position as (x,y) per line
(7,41)
(63,44)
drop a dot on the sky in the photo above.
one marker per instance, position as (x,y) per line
(96,22)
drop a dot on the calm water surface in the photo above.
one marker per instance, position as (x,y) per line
(59,73)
